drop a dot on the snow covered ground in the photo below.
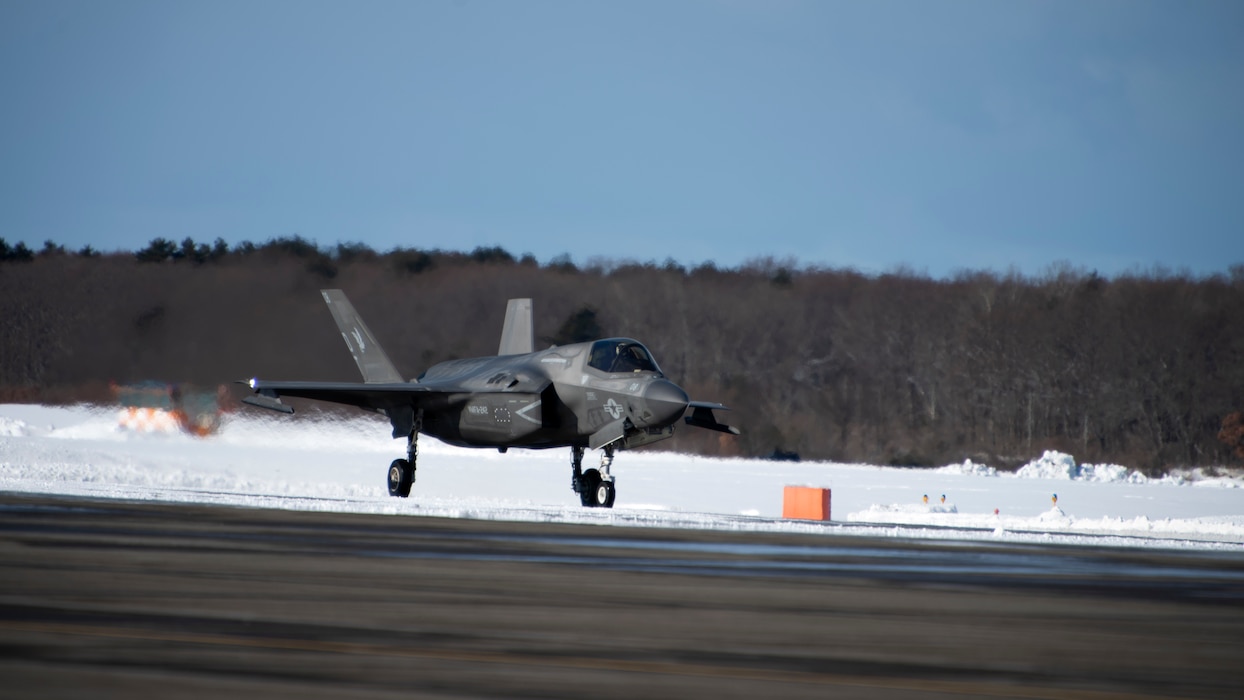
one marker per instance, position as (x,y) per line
(312,462)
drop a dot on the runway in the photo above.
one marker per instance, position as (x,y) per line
(104,597)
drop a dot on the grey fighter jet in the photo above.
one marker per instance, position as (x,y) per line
(605,395)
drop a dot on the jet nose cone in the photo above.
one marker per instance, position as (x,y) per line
(665,401)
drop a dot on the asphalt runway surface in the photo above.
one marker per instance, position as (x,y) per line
(120,599)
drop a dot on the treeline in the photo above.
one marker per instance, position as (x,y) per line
(1144,369)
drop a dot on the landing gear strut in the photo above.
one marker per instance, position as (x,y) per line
(402,471)
(595,486)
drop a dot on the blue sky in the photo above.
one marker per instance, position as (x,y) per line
(936,135)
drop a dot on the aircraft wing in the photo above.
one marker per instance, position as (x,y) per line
(369,396)
(397,400)
(374,396)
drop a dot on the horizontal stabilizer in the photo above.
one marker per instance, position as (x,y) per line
(702,417)
(269,403)
(607,435)
(372,362)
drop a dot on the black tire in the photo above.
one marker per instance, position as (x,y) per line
(587,488)
(401,476)
(604,494)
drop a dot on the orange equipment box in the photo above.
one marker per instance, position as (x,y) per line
(805,503)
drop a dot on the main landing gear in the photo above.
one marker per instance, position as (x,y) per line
(595,486)
(402,471)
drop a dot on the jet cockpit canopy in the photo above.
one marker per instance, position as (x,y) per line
(618,355)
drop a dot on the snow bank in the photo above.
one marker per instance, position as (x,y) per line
(1199,477)
(1059,465)
(968,468)
(1051,465)
(876,511)
(1056,520)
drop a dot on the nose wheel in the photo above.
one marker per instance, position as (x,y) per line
(595,487)
(603,495)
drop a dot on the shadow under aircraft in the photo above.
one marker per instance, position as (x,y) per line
(605,395)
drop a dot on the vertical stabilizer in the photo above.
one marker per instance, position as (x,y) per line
(518,336)
(372,362)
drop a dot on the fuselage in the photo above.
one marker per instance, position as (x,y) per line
(557,397)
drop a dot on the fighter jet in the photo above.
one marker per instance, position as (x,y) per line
(605,395)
